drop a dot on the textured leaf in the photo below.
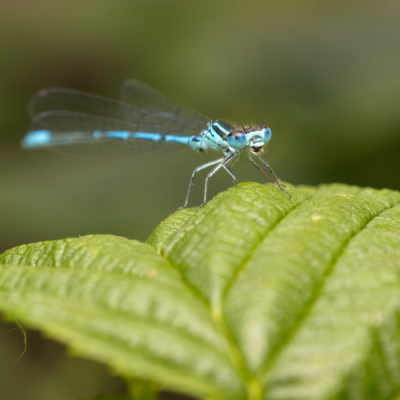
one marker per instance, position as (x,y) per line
(256,296)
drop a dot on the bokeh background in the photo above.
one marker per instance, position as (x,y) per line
(326,74)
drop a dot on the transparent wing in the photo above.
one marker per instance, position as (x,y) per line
(145,97)
(72,116)
(85,135)
(177,121)
(63,99)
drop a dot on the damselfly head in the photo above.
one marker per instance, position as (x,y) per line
(253,137)
(258,137)
(261,131)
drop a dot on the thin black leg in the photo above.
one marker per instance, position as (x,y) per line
(273,174)
(260,169)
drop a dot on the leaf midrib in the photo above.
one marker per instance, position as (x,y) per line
(252,382)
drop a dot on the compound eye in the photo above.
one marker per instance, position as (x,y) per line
(267,134)
(237,140)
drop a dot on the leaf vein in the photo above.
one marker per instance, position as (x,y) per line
(269,362)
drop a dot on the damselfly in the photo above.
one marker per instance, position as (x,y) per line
(85,124)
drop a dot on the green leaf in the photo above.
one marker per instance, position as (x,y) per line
(256,296)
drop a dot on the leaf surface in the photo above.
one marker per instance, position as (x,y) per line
(256,296)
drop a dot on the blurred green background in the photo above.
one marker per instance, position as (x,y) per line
(326,74)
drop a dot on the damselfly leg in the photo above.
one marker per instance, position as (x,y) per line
(225,161)
(260,169)
(273,174)
(199,168)
(228,169)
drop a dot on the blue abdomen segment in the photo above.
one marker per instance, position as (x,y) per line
(35,139)
(46,138)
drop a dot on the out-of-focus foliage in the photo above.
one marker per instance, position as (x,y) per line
(255,297)
(326,74)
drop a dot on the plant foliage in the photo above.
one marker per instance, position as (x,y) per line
(253,297)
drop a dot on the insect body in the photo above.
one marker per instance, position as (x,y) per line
(85,124)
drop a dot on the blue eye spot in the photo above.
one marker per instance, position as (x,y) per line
(267,135)
(237,140)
